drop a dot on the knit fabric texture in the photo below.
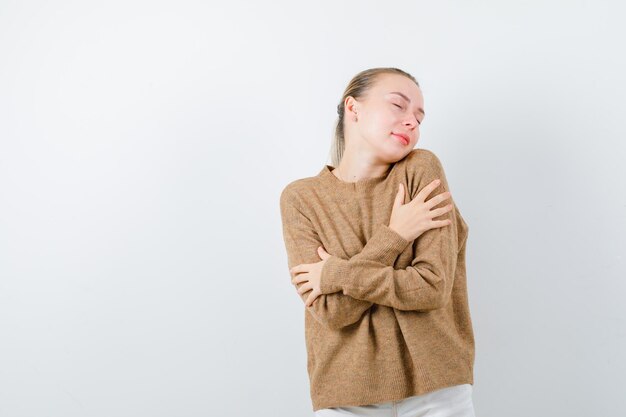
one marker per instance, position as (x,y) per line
(393,320)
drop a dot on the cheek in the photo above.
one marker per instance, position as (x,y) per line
(378,128)
(383,122)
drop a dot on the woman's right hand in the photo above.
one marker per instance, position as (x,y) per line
(412,219)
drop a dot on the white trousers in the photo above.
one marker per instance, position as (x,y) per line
(454,401)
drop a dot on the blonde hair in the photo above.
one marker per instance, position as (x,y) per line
(357,88)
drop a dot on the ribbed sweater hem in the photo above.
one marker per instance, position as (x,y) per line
(375,394)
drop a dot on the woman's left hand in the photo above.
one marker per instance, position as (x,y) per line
(309,274)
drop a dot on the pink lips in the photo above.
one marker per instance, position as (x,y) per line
(405,138)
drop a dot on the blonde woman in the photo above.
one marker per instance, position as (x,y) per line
(376,251)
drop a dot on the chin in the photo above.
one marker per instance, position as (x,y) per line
(395,155)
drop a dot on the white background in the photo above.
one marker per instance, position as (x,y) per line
(144,146)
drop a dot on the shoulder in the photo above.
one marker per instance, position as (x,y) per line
(294,191)
(423,166)
(423,160)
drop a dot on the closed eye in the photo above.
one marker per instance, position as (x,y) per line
(397,105)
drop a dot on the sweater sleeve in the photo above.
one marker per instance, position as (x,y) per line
(424,285)
(333,310)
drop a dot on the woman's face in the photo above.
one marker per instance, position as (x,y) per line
(393,107)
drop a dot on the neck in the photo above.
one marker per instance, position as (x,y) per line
(353,169)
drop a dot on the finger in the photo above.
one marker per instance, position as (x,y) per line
(425,192)
(440,211)
(323,254)
(299,268)
(299,278)
(304,288)
(441,223)
(438,199)
(311,298)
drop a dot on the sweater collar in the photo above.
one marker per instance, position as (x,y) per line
(328,178)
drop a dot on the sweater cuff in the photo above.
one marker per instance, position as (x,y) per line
(384,246)
(330,276)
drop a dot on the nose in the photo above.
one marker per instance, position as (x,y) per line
(412,121)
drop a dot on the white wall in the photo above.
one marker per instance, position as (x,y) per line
(144,145)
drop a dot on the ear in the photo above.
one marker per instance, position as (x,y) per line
(351,105)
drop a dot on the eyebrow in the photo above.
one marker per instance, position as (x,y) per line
(421,110)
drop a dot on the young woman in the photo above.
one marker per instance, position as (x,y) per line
(379,265)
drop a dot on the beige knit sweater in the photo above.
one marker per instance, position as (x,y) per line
(393,320)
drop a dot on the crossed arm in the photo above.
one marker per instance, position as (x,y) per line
(351,286)
(334,309)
